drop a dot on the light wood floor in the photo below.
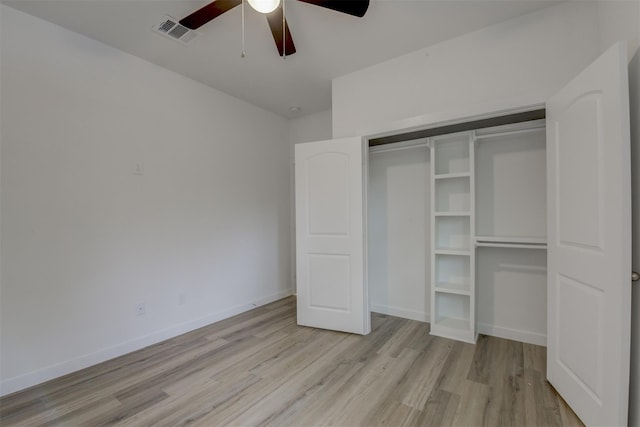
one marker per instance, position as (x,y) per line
(260,368)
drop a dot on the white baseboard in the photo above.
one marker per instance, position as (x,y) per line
(39,376)
(513,334)
(400,312)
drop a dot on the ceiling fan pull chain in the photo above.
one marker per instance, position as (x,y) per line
(243,54)
(284,32)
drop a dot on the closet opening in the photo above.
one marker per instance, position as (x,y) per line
(457,227)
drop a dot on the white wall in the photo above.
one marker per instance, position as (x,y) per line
(526,59)
(84,239)
(312,127)
(399,237)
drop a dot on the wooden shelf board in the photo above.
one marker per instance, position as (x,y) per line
(453,288)
(452,175)
(454,329)
(454,323)
(456,252)
(453,213)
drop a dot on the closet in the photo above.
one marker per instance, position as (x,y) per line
(463,215)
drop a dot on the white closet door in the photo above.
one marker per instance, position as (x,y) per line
(330,235)
(589,241)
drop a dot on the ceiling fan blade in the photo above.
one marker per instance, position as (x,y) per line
(275,23)
(352,7)
(205,14)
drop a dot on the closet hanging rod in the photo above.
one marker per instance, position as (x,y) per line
(510,245)
(388,148)
(508,133)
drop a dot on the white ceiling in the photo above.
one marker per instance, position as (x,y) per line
(329,44)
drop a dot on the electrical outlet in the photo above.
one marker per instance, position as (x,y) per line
(138,168)
(141,309)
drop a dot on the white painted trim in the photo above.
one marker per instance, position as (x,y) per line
(397,146)
(513,334)
(23,381)
(404,313)
(459,115)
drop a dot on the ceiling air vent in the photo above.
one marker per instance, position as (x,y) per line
(171,28)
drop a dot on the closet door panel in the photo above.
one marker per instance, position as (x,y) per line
(589,243)
(330,188)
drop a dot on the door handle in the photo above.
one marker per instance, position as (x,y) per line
(635,276)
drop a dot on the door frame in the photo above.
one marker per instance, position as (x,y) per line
(457,116)
(433,121)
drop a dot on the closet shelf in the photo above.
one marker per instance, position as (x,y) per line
(457,213)
(510,242)
(460,252)
(452,175)
(453,288)
(454,323)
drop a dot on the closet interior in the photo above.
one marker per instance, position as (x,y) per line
(457,231)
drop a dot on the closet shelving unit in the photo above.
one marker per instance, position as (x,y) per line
(452,225)
(487,191)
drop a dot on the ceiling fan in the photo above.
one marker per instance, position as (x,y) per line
(274,11)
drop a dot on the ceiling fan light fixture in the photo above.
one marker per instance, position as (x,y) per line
(264,6)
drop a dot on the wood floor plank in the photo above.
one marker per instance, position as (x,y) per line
(541,405)
(395,414)
(495,355)
(402,337)
(274,375)
(129,407)
(90,406)
(191,407)
(374,389)
(316,397)
(473,405)
(220,357)
(291,392)
(261,369)
(457,367)
(365,390)
(440,409)
(499,364)
(420,379)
